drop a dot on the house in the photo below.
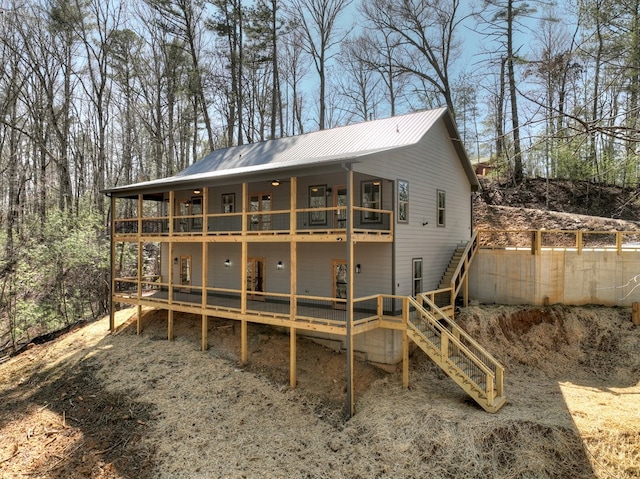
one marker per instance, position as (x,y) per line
(332,234)
(483,168)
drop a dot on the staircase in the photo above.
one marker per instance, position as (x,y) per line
(445,282)
(457,270)
(451,348)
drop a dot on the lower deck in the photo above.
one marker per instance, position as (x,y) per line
(306,313)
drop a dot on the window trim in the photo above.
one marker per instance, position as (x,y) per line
(232,197)
(415,278)
(196,223)
(441,208)
(321,215)
(368,216)
(403,202)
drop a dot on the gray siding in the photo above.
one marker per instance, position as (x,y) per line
(315,261)
(429,166)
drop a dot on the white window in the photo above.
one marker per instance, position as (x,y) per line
(318,199)
(371,199)
(196,210)
(403,201)
(417,276)
(441,208)
(229,203)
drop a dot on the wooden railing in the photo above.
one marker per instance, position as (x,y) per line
(461,272)
(307,221)
(536,241)
(458,354)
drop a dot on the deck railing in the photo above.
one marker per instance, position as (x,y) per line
(310,309)
(540,240)
(308,221)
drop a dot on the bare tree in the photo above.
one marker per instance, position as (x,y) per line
(183,19)
(96,31)
(10,83)
(316,20)
(359,84)
(124,47)
(502,18)
(378,51)
(553,68)
(229,25)
(295,69)
(263,30)
(423,36)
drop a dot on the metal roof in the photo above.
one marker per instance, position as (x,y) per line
(321,147)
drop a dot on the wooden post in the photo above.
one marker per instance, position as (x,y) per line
(112,312)
(170,326)
(350,267)
(635,313)
(244,354)
(579,242)
(538,241)
(465,290)
(293,353)
(405,344)
(205,265)
(619,242)
(205,337)
(205,269)
(172,197)
(293,286)
(140,265)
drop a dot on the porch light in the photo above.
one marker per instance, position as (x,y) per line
(358,268)
(275,183)
(279,265)
(227,263)
(196,192)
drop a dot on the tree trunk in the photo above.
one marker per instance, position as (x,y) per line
(515,122)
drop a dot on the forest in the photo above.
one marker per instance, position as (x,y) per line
(99,93)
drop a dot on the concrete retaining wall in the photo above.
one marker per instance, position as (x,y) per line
(519,277)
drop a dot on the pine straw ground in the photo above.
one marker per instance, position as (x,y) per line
(91,404)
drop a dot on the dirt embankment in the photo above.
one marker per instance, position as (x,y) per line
(556,205)
(123,406)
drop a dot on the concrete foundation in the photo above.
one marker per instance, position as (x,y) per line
(512,276)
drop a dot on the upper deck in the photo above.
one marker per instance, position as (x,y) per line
(212,215)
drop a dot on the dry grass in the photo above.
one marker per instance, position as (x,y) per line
(572,381)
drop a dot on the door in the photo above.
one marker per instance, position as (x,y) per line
(340,283)
(255,278)
(260,203)
(340,200)
(185,273)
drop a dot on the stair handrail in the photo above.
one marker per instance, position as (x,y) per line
(465,260)
(493,382)
(480,357)
(478,351)
(450,336)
